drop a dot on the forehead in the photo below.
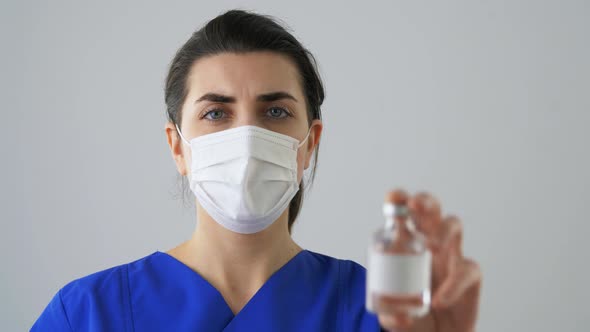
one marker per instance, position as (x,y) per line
(244,74)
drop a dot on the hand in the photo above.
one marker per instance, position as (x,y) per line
(456,280)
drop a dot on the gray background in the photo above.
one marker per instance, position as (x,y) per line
(486,105)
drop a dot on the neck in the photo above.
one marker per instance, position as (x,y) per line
(243,261)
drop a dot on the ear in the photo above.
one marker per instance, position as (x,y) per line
(313,140)
(176,147)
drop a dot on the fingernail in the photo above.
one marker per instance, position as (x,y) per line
(428,203)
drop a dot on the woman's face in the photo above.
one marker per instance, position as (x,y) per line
(229,90)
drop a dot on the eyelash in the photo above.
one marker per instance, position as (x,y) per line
(285,111)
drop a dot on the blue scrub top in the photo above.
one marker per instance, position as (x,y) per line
(311,292)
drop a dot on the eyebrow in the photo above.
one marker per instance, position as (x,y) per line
(267,97)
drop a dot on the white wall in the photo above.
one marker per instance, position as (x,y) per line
(486,105)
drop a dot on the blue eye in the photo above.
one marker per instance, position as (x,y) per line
(213,115)
(278,112)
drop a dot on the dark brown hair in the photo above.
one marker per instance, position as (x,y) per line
(240,31)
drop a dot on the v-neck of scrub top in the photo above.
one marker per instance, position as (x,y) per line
(209,310)
(215,296)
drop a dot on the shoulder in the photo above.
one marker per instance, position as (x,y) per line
(350,272)
(95,285)
(352,290)
(101,297)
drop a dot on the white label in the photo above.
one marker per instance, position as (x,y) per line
(398,274)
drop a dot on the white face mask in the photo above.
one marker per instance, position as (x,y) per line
(244,177)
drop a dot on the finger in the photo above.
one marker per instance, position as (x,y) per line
(463,277)
(397,196)
(425,210)
(447,236)
(396,322)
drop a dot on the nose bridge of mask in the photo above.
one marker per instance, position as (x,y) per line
(188,143)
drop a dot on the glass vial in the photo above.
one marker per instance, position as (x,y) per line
(399,264)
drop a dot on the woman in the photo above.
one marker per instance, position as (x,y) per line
(244,121)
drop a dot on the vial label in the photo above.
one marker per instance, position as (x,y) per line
(398,274)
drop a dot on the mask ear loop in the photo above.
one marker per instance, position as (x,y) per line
(306,172)
(306,136)
(181,136)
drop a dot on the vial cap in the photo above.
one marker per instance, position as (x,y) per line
(395,210)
